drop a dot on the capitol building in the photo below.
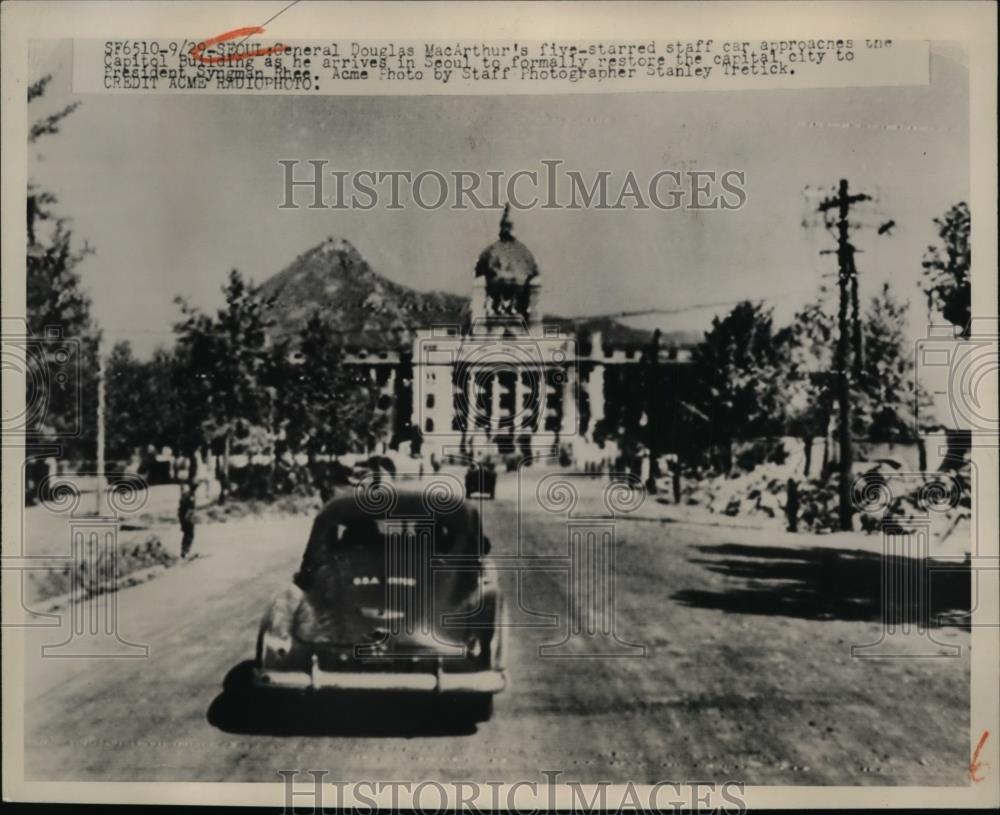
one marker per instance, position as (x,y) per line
(508,381)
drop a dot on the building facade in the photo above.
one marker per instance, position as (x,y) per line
(508,381)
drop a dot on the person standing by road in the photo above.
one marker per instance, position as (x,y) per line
(185,514)
(792,505)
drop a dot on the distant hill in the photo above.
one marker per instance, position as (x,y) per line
(372,311)
(334,279)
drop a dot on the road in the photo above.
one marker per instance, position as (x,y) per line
(747,673)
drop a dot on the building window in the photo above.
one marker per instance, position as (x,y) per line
(429,425)
(430,400)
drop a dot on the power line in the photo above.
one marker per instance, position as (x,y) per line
(693,307)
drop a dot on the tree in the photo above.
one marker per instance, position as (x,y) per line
(64,359)
(946,268)
(39,200)
(883,394)
(127,403)
(142,407)
(168,424)
(886,390)
(325,406)
(195,353)
(224,367)
(738,369)
(53,290)
(808,380)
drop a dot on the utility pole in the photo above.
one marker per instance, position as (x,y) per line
(100,429)
(856,321)
(848,282)
(654,406)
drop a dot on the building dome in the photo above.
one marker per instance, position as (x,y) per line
(506,262)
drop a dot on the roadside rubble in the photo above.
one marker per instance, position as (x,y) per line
(761,493)
(95,575)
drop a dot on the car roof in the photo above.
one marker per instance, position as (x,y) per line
(387,499)
(401,501)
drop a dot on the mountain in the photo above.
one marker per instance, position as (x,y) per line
(334,279)
(374,312)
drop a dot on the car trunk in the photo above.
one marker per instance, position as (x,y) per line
(375,586)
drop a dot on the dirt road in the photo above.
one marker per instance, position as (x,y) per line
(747,673)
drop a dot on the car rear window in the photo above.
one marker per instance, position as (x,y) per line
(370,541)
(367,533)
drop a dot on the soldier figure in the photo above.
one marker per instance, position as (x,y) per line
(792,504)
(185,514)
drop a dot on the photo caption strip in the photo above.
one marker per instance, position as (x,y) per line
(233,63)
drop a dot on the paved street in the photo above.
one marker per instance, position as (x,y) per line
(747,673)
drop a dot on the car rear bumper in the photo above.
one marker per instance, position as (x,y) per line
(478,682)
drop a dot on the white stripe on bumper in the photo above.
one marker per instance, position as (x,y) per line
(479,682)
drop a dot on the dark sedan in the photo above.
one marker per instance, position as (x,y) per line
(395,593)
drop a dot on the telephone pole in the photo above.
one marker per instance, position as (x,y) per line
(654,407)
(848,282)
(101,411)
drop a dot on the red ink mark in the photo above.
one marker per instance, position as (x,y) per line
(976,764)
(196,52)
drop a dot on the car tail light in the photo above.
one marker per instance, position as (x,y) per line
(274,649)
(275,640)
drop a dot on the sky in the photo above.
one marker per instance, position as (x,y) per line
(174,191)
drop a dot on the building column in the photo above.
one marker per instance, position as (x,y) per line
(595,397)
(520,417)
(568,420)
(472,417)
(416,394)
(494,405)
(389,389)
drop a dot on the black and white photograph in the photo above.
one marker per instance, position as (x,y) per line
(424,417)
